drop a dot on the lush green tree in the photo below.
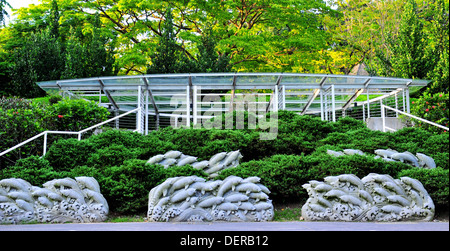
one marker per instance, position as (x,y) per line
(438,34)
(39,59)
(3,13)
(406,55)
(89,55)
(208,59)
(168,57)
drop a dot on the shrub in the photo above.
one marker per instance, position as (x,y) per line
(113,155)
(126,186)
(16,126)
(74,115)
(33,169)
(433,107)
(66,154)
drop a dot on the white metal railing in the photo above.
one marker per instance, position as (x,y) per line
(45,134)
(383,107)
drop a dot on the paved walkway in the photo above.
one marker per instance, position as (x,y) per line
(235,226)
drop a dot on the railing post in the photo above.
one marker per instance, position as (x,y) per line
(383,118)
(45,145)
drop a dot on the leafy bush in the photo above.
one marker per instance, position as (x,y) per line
(126,187)
(433,107)
(33,169)
(113,155)
(16,126)
(66,154)
(74,115)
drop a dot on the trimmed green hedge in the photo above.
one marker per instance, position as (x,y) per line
(117,158)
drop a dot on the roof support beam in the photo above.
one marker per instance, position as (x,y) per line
(151,95)
(277,84)
(310,100)
(108,95)
(233,94)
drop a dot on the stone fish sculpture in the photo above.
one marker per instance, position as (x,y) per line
(419,160)
(375,197)
(194,199)
(213,166)
(62,200)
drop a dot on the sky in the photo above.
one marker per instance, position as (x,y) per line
(17,4)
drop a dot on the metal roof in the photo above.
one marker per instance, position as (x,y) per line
(298,91)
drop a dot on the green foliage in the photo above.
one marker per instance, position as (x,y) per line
(66,154)
(126,186)
(33,169)
(21,119)
(432,107)
(16,126)
(169,58)
(74,115)
(38,60)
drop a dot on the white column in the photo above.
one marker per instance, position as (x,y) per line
(333,103)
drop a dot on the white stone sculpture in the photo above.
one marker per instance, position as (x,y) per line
(213,166)
(60,200)
(195,199)
(419,160)
(375,197)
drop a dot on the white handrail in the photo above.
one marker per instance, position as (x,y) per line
(407,114)
(45,133)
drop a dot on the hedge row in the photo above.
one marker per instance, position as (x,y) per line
(298,154)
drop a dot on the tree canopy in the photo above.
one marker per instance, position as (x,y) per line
(391,37)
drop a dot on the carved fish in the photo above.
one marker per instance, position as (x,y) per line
(186,161)
(210,202)
(323,188)
(399,199)
(365,196)
(351,199)
(21,195)
(334,193)
(405,157)
(385,153)
(415,184)
(258,196)
(17,184)
(426,161)
(231,156)
(352,179)
(334,153)
(264,188)
(182,195)
(263,206)
(353,152)
(155,159)
(229,183)
(248,188)
(227,206)
(391,209)
(238,197)
(200,165)
(216,158)
(214,169)
(172,154)
(168,162)
(253,179)
(88,182)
